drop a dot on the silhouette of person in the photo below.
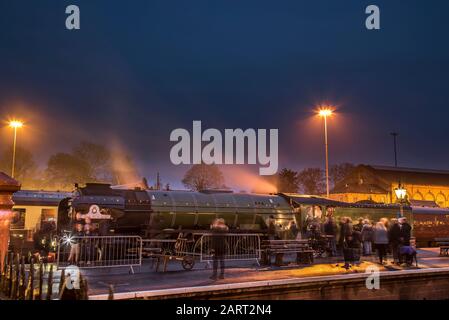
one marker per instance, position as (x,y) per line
(219,230)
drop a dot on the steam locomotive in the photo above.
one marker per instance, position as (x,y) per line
(165,214)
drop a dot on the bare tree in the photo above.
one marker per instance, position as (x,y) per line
(288,181)
(311,181)
(202,176)
(98,158)
(63,170)
(26,170)
(339,171)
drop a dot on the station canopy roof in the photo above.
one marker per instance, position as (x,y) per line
(312,200)
(301,199)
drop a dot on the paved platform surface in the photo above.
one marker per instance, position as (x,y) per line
(146,279)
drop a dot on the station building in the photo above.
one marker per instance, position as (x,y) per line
(377,183)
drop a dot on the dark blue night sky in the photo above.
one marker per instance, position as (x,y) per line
(139,69)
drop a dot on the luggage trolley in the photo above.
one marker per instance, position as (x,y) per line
(182,249)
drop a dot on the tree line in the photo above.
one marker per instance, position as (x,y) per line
(311,180)
(306,181)
(86,162)
(90,162)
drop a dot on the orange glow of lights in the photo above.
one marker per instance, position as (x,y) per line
(16,124)
(325,112)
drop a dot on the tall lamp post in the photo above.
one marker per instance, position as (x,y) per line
(401,194)
(15,125)
(324,113)
(395,135)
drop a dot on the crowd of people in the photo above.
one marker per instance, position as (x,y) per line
(365,236)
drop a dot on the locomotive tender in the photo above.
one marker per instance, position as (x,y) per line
(165,214)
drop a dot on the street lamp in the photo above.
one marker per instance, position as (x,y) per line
(401,194)
(15,125)
(324,113)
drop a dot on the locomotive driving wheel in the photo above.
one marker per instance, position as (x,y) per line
(188,262)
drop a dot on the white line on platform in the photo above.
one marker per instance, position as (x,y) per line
(252,284)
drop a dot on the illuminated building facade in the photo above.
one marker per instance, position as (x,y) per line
(377,183)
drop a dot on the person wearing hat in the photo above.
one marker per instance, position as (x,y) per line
(405,232)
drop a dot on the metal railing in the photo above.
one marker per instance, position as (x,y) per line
(100,251)
(128,251)
(235,247)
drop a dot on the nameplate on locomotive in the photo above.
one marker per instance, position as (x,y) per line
(96,214)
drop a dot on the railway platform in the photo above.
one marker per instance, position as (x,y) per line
(252,281)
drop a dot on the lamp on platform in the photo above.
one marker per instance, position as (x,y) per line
(401,194)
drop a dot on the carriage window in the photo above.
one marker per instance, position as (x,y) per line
(48,219)
(48,215)
(19,219)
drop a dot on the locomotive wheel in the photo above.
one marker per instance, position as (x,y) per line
(188,262)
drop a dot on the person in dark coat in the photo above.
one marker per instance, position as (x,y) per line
(345,230)
(394,235)
(315,229)
(341,236)
(330,229)
(294,229)
(405,233)
(218,244)
(351,252)
(358,227)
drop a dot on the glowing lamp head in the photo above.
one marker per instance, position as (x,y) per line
(325,112)
(15,124)
(400,192)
